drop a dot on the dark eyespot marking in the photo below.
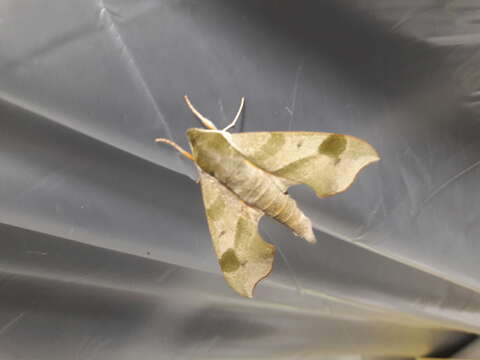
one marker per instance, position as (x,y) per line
(333,146)
(229,261)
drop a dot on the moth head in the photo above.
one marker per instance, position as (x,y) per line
(195,134)
(207,145)
(201,137)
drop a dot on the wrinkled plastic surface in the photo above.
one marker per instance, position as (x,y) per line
(105,252)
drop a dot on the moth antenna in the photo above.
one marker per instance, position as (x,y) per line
(176,146)
(232,124)
(207,123)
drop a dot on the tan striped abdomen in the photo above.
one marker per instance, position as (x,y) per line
(258,189)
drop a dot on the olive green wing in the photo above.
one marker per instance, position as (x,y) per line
(244,257)
(327,162)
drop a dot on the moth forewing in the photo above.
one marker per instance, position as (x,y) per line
(327,162)
(243,256)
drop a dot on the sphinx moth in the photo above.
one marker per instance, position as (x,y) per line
(245,176)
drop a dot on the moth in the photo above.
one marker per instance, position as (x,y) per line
(245,176)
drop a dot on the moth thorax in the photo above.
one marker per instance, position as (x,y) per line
(212,152)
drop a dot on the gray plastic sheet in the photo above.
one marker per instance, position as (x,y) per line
(105,252)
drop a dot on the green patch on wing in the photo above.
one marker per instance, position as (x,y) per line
(296,169)
(248,241)
(305,171)
(334,145)
(229,261)
(244,232)
(216,210)
(273,145)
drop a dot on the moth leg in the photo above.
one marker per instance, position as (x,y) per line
(176,146)
(207,123)
(232,124)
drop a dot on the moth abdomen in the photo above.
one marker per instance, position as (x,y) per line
(280,206)
(290,215)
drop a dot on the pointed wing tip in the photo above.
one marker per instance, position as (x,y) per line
(246,289)
(375,155)
(245,292)
(310,238)
(375,158)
